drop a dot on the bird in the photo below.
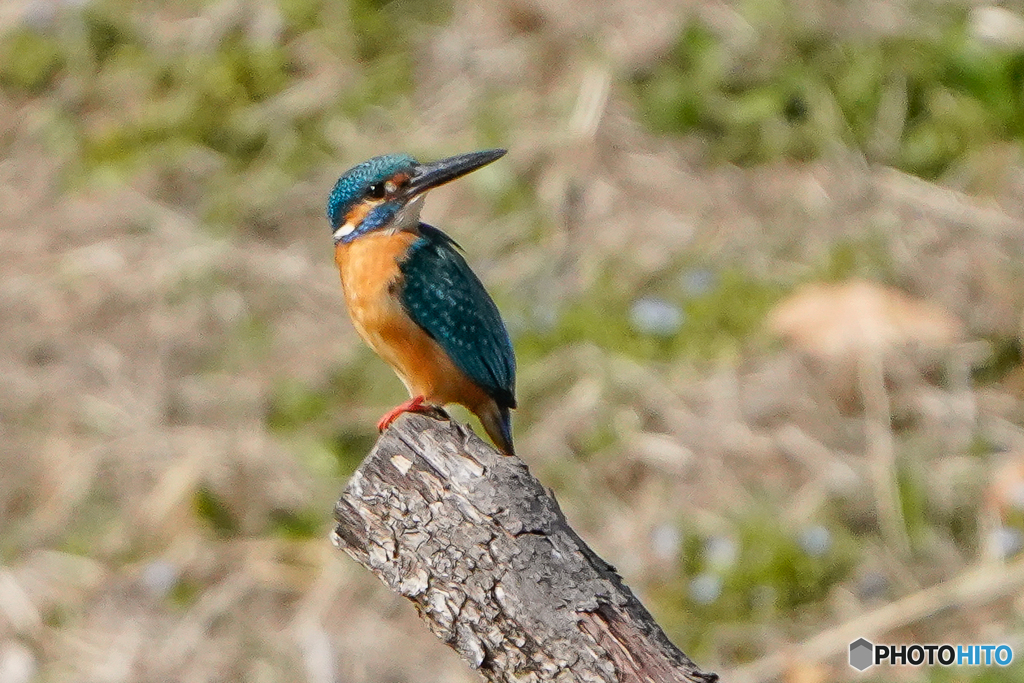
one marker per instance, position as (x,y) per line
(412,296)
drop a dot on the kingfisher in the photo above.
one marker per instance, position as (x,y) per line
(413,298)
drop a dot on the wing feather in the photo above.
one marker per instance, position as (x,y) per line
(445,298)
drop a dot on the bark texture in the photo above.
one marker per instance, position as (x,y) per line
(485,554)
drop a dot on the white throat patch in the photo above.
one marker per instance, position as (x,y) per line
(409,215)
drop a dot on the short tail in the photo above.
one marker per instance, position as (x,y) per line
(497,422)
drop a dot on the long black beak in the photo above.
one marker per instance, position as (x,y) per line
(427,176)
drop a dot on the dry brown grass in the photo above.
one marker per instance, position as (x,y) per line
(129,379)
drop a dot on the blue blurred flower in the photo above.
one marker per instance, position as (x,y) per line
(872,585)
(705,588)
(698,281)
(720,552)
(665,541)
(160,577)
(651,315)
(815,540)
(1007,541)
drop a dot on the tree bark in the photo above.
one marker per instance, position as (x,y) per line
(486,555)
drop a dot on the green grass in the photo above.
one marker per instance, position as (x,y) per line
(922,103)
(202,99)
(1005,356)
(771,577)
(185,594)
(297,524)
(212,509)
(308,416)
(714,322)
(169,105)
(867,256)
(29,61)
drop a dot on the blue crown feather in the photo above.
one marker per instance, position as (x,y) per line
(351,186)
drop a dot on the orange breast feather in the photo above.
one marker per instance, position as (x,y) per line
(369,275)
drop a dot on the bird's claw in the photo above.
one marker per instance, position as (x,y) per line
(413,405)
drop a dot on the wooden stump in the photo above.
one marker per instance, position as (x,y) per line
(484,552)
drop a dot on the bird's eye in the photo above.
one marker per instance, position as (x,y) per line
(375,191)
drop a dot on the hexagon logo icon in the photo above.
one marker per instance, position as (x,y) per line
(861,654)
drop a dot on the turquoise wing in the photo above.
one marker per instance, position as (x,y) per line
(445,298)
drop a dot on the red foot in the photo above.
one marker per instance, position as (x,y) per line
(413,405)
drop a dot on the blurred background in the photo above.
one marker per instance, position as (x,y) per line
(761,261)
